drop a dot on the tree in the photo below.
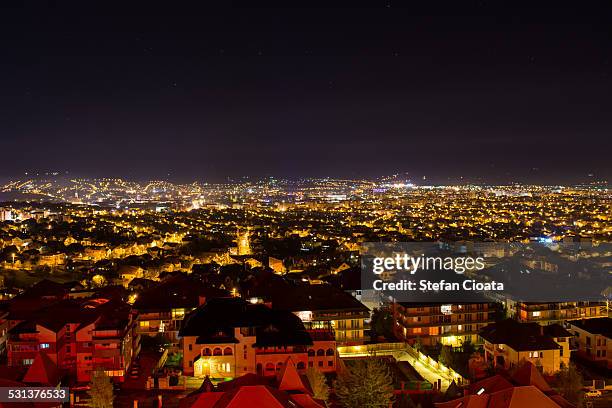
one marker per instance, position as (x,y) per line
(539,366)
(569,383)
(418,343)
(446,356)
(501,313)
(382,323)
(366,384)
(318,384)
(101,391)
(468,347)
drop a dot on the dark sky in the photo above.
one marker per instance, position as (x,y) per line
(445,89)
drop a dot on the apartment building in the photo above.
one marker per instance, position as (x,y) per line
(559,312)
(448,324)
(78,336)
(321,306)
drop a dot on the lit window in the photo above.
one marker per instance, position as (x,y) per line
(536,314)
(305,316)
(44,345)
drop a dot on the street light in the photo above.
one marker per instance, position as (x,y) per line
(13,255)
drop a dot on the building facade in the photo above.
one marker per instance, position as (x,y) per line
(78,336)
(448,324)
(228,338)
(508,344)
(559,312)
(593,339)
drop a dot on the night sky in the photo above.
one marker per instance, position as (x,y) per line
(446,90)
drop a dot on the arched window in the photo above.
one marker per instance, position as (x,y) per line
(320,352)
(227,351)
(259,369)
(301,365)
(311,353)
(269,367)
(206,352)
(279,366)
(217,351)
(329,352)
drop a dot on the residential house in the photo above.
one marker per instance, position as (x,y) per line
(228,338)
(525,388)
(594,339)
(508,343)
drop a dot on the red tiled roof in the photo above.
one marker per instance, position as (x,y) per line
(244,397)
(247,379)
(491,384)
(469,401)
(42,371)
(521,397)
(514,397)
(201,400)
(528,374)
(289,378)
(305,401)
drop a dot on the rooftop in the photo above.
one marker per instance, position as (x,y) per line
(272,327)
(600,325)
(522,336)
(178,292)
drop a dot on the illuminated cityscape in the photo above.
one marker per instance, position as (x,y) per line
(165,286)
(302,205)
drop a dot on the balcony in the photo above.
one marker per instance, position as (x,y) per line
(409,325)
(321,335)
(294,350)
(108,353)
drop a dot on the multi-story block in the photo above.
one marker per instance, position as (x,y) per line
(508,343)
(559,312)
(448,324)
(161,309)
(322,306)
(594,339)
(78,336)
(229,337)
